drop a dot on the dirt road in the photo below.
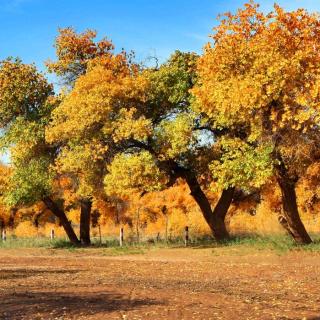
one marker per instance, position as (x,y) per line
(158,284)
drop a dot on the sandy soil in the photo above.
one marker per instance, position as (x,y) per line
(159,284)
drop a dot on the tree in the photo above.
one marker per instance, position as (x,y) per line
(26,101)
(177,142)
(261,75)
(82,123)
(76,54)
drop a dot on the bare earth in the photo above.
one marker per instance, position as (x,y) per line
(175,284)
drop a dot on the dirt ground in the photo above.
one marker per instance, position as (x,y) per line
(157,284)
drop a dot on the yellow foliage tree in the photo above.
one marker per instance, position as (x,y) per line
(260,80)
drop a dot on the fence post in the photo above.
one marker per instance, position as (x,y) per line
(186,236)
(4,235)
(52,234)
(121,237)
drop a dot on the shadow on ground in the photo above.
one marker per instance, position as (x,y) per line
(31,305)
(18,273)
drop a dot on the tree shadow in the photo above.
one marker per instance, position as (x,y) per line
(19,273)
(58,304)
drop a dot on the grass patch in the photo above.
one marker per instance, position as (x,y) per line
(242,244)
(279,243)
(122,251)
(313,247)
(62,244)
(14,243)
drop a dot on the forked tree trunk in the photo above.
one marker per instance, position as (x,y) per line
(85,218)
(215,218)
(54,208)
(293,223)
(220,212)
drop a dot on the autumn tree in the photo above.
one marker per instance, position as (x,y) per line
(26,101)
(75,52)
(82,124)
(261,74)
(177,142)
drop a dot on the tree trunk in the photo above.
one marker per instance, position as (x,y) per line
(293,223)
(36,217)
(85,215)
(220,211)
(215,218)
(13,212)
(2,226)
(54,208)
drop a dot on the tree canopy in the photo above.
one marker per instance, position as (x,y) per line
(234,120)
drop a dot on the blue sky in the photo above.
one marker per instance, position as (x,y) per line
(149,27)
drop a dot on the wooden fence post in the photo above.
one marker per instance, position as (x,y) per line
(121,237)
(186,236)
(52,234)
(4,235)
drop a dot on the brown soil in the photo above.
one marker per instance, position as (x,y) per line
(158,284)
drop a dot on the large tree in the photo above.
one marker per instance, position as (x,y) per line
(177,143)
(26,102)
(99,83)
(76,53)
(261,74)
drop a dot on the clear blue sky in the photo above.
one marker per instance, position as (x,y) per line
(149,27)
(28,27)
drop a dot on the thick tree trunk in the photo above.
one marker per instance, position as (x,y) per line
(2,226)
(215,218)
(54,208)
(85,215)
(293,223)
(220,212)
